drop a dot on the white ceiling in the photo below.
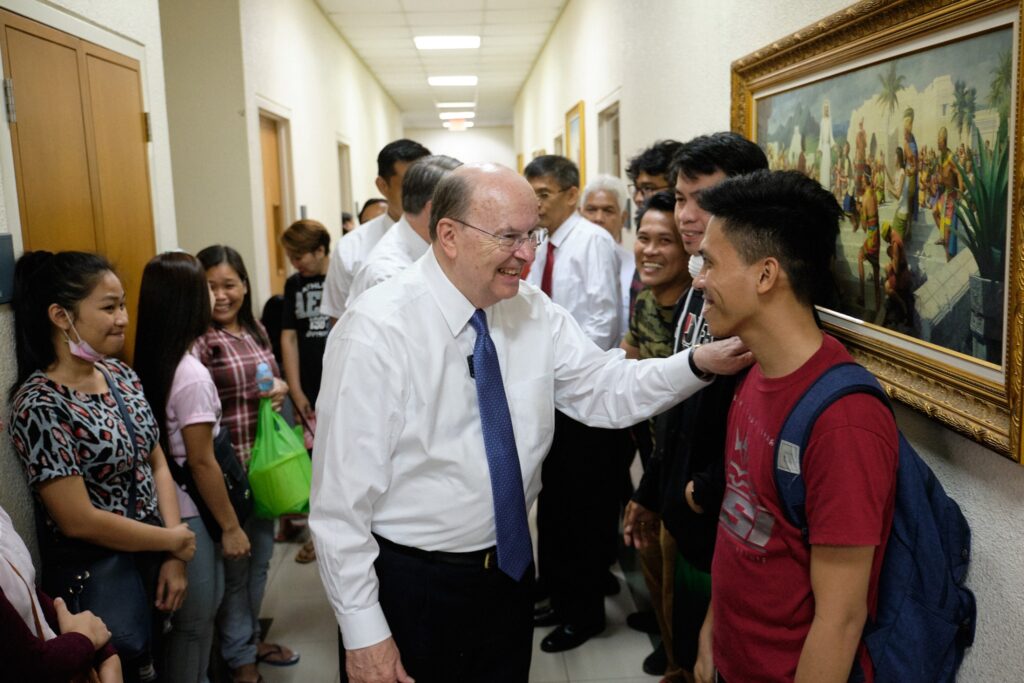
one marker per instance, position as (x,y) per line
(512,33)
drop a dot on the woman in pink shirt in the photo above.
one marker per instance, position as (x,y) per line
(174,310)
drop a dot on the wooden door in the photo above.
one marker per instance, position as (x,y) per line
(56,198)
(115,102)
(272,202)
(80,149)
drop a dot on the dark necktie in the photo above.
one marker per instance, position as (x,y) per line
(515,551)
(549,265)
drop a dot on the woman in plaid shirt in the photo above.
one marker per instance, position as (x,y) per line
(232,349)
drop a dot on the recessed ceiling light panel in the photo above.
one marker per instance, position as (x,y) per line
(445,115)
(451,80)
(447,42)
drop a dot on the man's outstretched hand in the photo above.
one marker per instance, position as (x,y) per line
(723,357)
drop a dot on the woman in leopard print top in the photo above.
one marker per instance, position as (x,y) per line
(77,450)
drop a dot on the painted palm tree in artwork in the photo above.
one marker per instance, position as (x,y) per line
(892,82)
(1000,87)
(965,103)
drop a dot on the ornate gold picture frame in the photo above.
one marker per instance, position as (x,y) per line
(929,260)
(575,140)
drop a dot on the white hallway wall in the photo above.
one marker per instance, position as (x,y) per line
(296,62)
(293,63)
(670,60)
(485,144)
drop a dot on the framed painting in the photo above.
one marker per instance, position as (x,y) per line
(575,139)
(909,112)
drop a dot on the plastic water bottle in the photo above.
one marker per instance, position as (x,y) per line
(264,377)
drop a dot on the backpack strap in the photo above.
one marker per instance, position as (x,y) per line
(835,383)
(127,417)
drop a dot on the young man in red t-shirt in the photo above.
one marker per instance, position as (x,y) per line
(782,608)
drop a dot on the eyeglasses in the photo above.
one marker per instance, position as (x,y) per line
(544,196)
(645,190)
(512,242)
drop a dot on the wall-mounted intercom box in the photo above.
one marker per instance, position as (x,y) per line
(6,268)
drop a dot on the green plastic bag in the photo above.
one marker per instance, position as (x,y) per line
(280,470)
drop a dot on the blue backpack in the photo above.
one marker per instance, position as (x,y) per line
(926,616)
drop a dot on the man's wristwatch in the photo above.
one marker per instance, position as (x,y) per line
(701,375)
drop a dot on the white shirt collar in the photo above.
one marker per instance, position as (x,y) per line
(455,308)
(410,239)
(562,232)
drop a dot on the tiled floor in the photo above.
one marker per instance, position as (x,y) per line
(302,619)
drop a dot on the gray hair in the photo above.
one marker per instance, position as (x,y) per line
(614,186)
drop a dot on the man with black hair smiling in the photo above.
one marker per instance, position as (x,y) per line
(785,607)
(648,172)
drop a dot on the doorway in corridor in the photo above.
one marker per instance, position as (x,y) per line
(345,179)
(277,216)
(609,159)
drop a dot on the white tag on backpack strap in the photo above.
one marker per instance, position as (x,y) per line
(789,457)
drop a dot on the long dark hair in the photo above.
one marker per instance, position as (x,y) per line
(42,278)
(214,256)
(174,310)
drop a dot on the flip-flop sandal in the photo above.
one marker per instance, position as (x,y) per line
(276,650)
(306,554)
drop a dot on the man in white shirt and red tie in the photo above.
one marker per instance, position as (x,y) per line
(436,410)
(578,509)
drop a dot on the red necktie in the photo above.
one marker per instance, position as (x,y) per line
(549,265)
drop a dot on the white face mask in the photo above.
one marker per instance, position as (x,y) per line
(695,265)
(81,349)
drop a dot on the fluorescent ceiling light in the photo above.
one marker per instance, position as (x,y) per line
(452,80)
(455,105)
(456,126)
(447,42)
(457,115)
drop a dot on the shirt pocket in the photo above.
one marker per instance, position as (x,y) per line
(532,405)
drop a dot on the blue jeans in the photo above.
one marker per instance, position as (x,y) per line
(245,581)
(186,649)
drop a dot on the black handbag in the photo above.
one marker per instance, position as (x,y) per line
(118,586)
(235,481)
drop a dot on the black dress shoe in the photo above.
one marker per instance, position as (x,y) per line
(545,616)
(645,622)
(656,663)
(567,636)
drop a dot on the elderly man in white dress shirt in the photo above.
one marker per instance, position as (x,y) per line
(410,236)
(392,161)
(434,382)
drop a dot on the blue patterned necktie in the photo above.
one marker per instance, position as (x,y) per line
(515,551)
